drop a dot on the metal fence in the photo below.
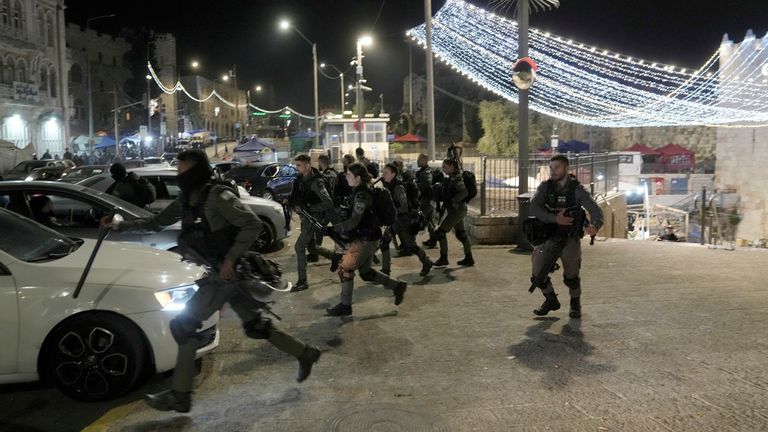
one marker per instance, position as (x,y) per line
(497,178)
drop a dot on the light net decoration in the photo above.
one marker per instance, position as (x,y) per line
(592,86)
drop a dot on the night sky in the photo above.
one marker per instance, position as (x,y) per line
(245,32)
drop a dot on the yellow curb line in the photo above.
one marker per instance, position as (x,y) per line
(102,423)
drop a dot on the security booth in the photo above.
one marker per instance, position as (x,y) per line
(344,134)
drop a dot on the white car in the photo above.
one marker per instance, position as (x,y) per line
(102,343)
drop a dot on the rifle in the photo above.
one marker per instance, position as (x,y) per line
(190,254)
(336,237)
(553,254)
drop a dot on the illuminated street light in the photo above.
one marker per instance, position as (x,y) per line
(195,64)
(285,24)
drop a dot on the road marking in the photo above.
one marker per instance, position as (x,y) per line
(102,423)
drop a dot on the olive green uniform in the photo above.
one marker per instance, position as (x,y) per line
(424,183)
(456,209)
(401,228)
(310,191)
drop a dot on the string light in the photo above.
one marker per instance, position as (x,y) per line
(590,85)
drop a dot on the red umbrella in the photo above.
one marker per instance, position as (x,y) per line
(409,137)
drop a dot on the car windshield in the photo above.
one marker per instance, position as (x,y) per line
(118,203)
(29,241)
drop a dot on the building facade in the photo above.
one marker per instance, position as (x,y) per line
(214,115)
(34,103)
(165,52)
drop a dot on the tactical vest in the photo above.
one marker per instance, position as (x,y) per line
(566,199)
(391,186)
(304,188)
(368,228)
(421,175)
(196,231)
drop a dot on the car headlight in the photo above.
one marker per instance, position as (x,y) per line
(176,298)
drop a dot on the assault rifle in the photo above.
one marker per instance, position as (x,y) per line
(190,254)
(336,237)
(561,239)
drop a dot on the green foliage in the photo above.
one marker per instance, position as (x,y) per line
(396,148)
(499,125)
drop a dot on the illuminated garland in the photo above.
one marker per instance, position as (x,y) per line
(588,85)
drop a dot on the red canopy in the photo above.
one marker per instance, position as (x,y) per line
(676,157)
(643,149)
(409,137)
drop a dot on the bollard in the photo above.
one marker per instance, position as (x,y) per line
(482,186)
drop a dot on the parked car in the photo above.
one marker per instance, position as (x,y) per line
(167,190)
(133,163)
(74,175)
(102,343)
(169,156)
(76,211)
(24,168)
(156,162)
(267,180)
(46,173)
(223,167)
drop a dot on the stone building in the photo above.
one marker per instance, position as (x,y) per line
(34,107)
(109,73)
(215,115)
(166,122)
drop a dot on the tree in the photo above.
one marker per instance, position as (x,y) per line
(499,124)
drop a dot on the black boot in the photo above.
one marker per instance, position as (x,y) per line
(468,261)
(339,310)
(301,285)
(386,272)
(313,257)
(399,292)
(442,262)
(310,356)
(550,304)
(335,260)
(170,400)
(431,243)
(426,267)
(575,308)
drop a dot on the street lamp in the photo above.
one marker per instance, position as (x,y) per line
(225,78)
(149,118)
(362,41)
(195,64)
(88,71)
(340,77)
(285,25)
(258,88)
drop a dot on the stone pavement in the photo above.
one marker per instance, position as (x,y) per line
(672,339)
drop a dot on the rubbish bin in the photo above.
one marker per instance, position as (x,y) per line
(523,210)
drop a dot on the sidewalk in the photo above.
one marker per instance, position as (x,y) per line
(672,339)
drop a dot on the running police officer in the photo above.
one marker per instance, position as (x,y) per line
(560,194)
(361,227)
(310,192)
(402,226)
(454,194)
(424,183)
(219,228)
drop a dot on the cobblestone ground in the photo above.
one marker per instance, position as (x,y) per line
(672,339)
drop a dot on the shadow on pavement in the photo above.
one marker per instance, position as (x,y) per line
(561,356)
(168,425)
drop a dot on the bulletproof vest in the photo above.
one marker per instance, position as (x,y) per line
(450,191)
(305,188)
(368,228)
(391,186)
(196,232)
(421,175)
(566,199)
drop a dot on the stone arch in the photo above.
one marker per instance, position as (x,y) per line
(5,13)
(21,70)
(8,70)
(17,16)
(49,28)
(43,78)
(76,74)
(40,17)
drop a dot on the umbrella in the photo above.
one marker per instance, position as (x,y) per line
(254,144)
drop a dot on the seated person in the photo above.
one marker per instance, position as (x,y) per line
(670,235)
(42,211)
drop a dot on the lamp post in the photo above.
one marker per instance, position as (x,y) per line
(340,77)
(149,119)
(367,41)
(193,66)
(90,82)
(285,25)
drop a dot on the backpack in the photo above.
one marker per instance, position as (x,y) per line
(143,191)
(373,168)
(412,192)
(383,206)
(471,184)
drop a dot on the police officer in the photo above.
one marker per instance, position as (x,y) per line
(454,193)
(310,192)
(549,205)
(402,226)
(219,228)
(361,227)
(331,176)
(424,183)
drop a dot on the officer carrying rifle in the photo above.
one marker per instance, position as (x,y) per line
(559,203)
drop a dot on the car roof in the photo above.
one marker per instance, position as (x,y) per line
(145,171)
(56,186)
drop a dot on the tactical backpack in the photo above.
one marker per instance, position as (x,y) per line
(383,206)
(470,182)
(412,192)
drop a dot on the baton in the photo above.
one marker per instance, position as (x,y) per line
(102,235)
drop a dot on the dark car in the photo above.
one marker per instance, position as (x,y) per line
(25,168)
(74,175)
(222,167)
(267,180)
(49,173)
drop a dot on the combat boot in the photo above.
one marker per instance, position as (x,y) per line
(310,356)
(468,261)
(431,243)
(335,260)
(170,400)
(301,285)
(399,290)
(575,307)
(339,310)
(550,304)
(442,262)
(426,267)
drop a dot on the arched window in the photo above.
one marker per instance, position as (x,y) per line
(76,74)
(79,109)
(41,24)
(5,12)
(43,83)
(8,71)
(21,71)
(52,79)
(49,28)
(18,19)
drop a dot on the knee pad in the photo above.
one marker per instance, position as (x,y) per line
(184,328)
(258,328)
(368,276)
(462,236)
(572,283)
(547,282)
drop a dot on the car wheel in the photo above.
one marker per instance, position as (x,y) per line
(94,356)
(268,194)
(267,237)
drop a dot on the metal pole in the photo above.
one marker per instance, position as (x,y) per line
(90,95)
(703,213)
(117,128)
(410,80)
(482,186)
(149,121)
(237,104)
(341,77)
(317,105)
(431,80)
(359,95)
(522,97)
